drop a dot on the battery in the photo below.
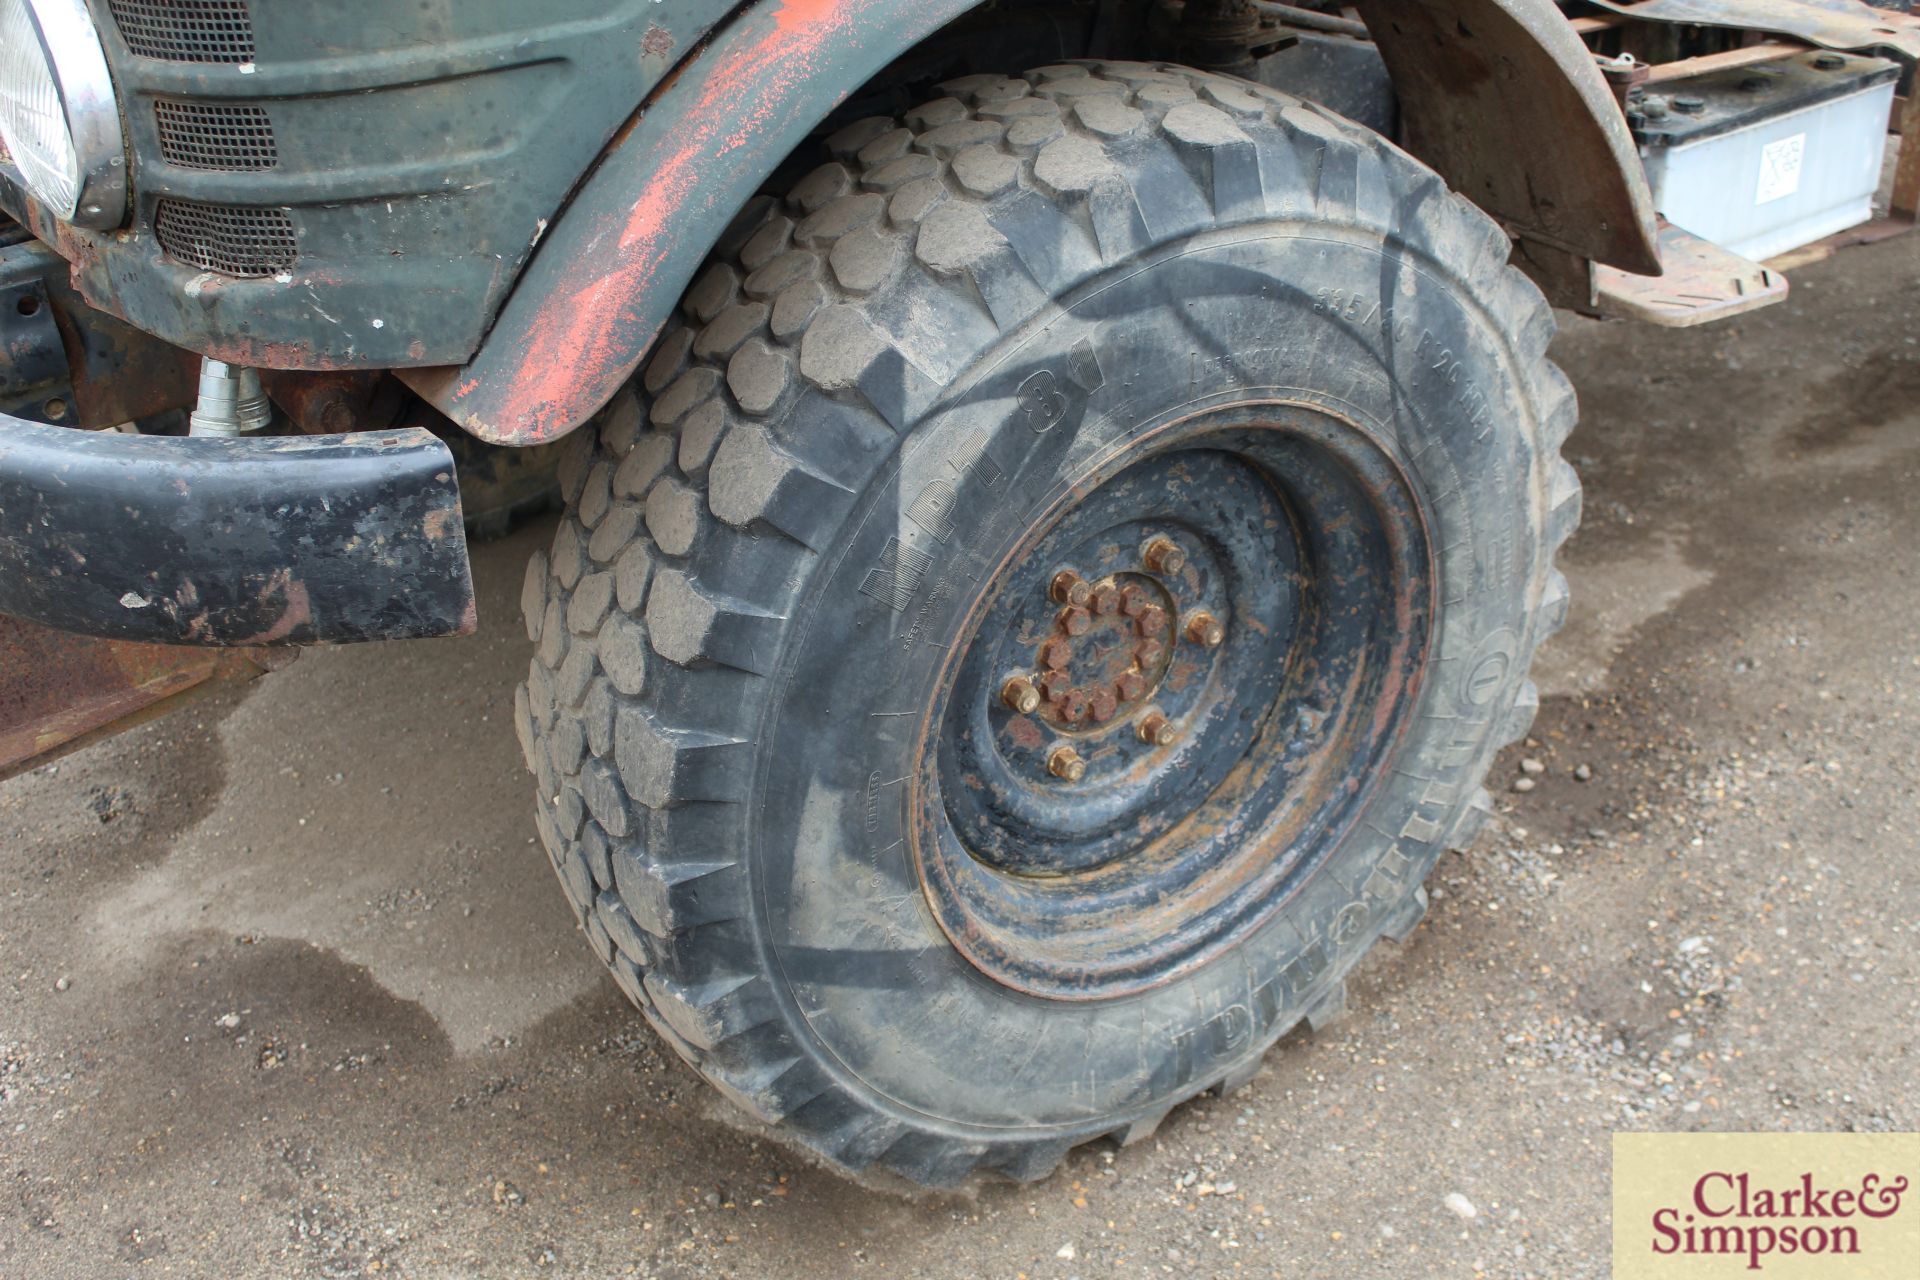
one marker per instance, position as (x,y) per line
(1765,158)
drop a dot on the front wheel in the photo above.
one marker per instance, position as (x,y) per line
(1037,620)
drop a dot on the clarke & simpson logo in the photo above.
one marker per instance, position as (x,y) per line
(1726,1215)
(1784,1205)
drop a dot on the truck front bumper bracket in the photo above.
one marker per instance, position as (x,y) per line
(281,540)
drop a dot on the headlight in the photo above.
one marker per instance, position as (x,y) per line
(57,112)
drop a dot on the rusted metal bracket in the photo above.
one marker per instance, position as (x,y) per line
(34,382)
(1506,102)
(64,363)
(58,692)
(1703,283)
(1831,24)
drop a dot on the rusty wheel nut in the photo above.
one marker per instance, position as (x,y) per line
(1070,588)
(1102,705)
(1148,652)
(1057,652)
(1073,708)
(1165,556)
(1157,731)
(1133,601)
(1055,685)
(1020,695)
(1075,620)
(1204,628)
(1106,601)
(1130,686)
(1065,762)
(1152,621)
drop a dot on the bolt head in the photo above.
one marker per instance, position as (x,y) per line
(1156,730)
(1075,621)
(1065,763)
(1069,587)
(1148,652)
(1165,556)
(1204,628)
(1057,652)
(1133,601)
(1055,685)
(1075,706)
(1106,600)
(1102,705)
(1130,686)
(1152,621)
(1020,695)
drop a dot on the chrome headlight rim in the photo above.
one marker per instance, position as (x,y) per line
(70,45)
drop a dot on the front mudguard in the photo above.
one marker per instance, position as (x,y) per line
(1499,95)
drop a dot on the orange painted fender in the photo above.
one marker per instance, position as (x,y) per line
(610,271)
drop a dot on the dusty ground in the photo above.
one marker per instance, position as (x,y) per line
(288,991)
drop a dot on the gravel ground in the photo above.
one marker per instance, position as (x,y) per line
(288,991)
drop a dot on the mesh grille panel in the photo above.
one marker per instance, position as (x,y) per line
(225,238)
(186,30)
(200,135)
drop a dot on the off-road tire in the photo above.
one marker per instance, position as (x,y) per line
(711,506)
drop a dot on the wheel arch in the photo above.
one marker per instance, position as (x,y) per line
(618,257)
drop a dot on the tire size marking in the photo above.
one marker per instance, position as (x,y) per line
(1363,310)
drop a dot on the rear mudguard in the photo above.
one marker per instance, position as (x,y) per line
(1502,97)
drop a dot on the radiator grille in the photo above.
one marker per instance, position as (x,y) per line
(227,239)
(186,30)
(201,135)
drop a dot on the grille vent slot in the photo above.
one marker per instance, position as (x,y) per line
(186,30)
(201,135)
(233,241)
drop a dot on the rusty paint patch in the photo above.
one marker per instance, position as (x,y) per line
(594,297)
(59,691)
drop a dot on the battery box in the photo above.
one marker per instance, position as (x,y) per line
(1765,158)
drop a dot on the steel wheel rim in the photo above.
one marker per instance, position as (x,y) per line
(1306,545)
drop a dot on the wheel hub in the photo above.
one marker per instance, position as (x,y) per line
(1171,697)
(1104,661)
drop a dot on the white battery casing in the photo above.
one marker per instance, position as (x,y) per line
(1761,184)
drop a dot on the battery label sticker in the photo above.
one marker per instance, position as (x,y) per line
(1780,168)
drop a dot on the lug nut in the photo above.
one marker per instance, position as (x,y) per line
(1157,731)
(1020,695)
(1057,652)
(1075,620)
(1165,556)
(1065,762)
(1102,705)
(1106,600)
(1070,588)
(1055,685)
(1133,601)
(1152,621)
(1130,686)
(1204,628)
(1073,708)
(1148,652)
